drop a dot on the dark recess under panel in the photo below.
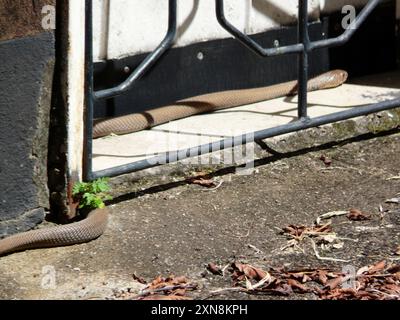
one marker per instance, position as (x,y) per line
(372,49)
(226,65)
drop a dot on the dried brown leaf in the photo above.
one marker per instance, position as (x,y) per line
(171,281)
(326,160)
(377,267)
(250,271)
(208,183)
(139,279)
(338,293)
(392,288)
(299,231)
(157,281)
(322,228)
(374,282)
(202,179)
(357,215)
(322,277)
(294,230)
(162,297)
(334,283)
(297,275)
(214,269)
(301,276)
(306,278)
(282,289)
(394,268)
(180,292)
(179,280)
(297,286)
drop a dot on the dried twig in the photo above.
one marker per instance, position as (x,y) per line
(166,288)
(314,246)
(258,251)
(267,278)
(393,178)
(223,290)
(393,200)
(224,269)
(330,215)
(243,236)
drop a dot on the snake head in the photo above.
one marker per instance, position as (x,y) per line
(327,80)
(340,75)
(334,78)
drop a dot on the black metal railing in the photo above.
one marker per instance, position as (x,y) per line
(302,49)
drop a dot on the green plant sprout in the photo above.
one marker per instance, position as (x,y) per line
(92,194)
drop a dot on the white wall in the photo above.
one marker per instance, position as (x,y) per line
(328,6)
(128,27)
(136,26)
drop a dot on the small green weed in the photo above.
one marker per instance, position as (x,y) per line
(92,194)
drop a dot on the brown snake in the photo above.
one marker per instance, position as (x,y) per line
(210,102)
(83,231)
(94,225)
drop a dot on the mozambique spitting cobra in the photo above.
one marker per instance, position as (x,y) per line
(94,225)
(210,102)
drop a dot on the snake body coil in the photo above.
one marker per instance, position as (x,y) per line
(210,102)
(88,229)
(94,225)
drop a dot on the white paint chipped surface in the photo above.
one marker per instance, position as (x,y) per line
(76,82)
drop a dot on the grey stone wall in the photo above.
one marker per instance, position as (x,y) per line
(26,80)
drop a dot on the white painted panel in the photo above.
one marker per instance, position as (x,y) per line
(128,27)
(328,6)
(138,26)
(100,23)
(267,14)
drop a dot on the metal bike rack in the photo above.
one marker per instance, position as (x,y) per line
(302,49)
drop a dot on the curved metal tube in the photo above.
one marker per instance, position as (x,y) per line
(247,41)
(343,38)
(296,48)
(148,62)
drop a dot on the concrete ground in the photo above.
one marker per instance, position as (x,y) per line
(201,129)
(178,228)
(161,224)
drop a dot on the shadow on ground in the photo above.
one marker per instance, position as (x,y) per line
(180,228)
